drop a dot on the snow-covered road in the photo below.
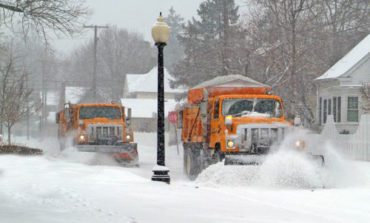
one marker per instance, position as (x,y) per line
(70,187)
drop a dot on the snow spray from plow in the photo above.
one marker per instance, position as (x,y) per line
(287,168)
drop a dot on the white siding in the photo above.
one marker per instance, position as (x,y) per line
(347,85)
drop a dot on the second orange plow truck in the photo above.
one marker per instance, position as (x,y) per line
(231,118)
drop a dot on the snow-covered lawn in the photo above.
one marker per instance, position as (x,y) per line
(81,187)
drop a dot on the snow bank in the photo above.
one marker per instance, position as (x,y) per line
(279,170)
(286,167)
(55,189)
(36,189)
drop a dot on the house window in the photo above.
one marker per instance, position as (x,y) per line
(320,110)
(339,109)
(352,109)
(329,107)
(335,108)
(325,109)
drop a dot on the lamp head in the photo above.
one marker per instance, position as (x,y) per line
(160,30)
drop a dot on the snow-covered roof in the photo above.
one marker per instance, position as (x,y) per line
(148,82)
(349,60)
(146,108)
(74,94)
(232,80)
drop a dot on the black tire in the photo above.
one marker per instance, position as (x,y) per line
(218,156)
(192,162)
(185,156)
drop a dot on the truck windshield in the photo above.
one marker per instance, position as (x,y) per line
(89,112)
(251,107)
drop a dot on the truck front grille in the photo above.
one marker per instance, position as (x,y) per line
(259,137)
(104,133)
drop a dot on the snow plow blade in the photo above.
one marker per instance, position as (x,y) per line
(124,148)
(244,159)
(125,154)
(259,159)
(319,159)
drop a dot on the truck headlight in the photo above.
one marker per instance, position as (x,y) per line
(230,144)
(300,144)
(82,138)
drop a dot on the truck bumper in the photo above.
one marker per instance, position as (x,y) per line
(124,148)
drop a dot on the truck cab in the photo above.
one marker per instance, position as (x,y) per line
(246,123)
(98,127)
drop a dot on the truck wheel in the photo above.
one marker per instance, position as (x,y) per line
(217,157)
(185,159)
(192,163)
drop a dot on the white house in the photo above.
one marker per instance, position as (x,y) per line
(340,89)
(144,112)
(145,85)
(141,96)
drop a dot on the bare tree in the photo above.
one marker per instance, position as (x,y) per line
(43,15)
(15,96)
(283,51)
(119,52)
(343,23)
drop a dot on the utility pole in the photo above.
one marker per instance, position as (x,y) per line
(28,111)
(226,53)
(43,93)
(95,27)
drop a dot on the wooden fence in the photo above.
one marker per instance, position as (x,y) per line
(357,145)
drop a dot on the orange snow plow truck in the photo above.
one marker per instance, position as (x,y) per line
(100,128)
(233,118)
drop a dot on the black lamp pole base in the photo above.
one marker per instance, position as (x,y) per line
(161,176)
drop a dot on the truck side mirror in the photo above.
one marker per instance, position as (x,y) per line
(67,113)
(179,119)
(57,119)
(128,117)
(122,112)
(278,112)
(203,109)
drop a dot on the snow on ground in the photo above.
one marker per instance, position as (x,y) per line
(84,187)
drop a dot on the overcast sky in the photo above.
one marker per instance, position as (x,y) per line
(135,15)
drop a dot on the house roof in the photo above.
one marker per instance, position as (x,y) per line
(232,80)
(361,50)
(146,108)
(148,82)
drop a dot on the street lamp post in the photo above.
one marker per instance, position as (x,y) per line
(160,34)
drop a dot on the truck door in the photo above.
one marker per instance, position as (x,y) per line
(215,130)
